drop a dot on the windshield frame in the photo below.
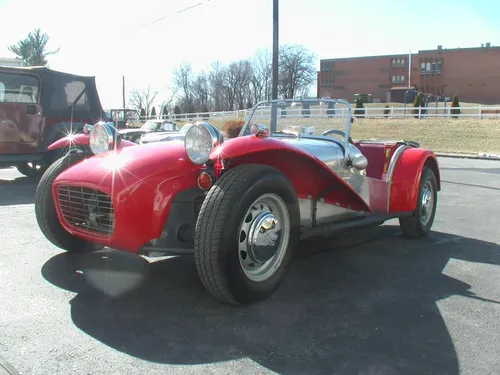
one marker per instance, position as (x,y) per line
(283,103)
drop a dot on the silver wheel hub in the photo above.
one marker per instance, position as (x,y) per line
(263,237)
(427,204)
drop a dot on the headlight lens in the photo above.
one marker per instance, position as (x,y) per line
(199,142)
(100,138)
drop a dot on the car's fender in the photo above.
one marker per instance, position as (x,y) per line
(405,178)
(58,130)
(310,177)
(81,140)
(142,182)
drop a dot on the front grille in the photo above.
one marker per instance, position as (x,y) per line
(86,209)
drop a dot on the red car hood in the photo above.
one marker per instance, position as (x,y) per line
(128,166)
(141,182)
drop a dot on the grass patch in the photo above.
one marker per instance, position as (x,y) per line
(439,135)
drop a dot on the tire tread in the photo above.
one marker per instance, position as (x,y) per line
(208,232)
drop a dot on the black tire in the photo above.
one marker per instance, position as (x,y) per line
(45,211)
(32,171)
(413,226)
(217,241)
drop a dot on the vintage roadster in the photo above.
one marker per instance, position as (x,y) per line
(239,206)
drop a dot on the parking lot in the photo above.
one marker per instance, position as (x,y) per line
(376,304)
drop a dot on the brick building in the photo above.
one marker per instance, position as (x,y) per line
(471,73)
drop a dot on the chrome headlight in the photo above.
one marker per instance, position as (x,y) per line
(200,140)
(102,138)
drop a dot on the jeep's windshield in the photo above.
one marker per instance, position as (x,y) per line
(303,116)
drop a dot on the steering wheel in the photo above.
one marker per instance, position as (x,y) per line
(338,132)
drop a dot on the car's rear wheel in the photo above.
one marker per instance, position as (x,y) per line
(246,234)
(420,223)
(45,211)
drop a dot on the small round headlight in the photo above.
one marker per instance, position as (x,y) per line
(100,138)
(199,142)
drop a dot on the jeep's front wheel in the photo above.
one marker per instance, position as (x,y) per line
(32,170)
(246,234)
(45,211)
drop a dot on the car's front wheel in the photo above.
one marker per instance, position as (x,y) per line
(45,211)
(246,234)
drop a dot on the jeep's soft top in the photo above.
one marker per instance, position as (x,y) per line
(62,98)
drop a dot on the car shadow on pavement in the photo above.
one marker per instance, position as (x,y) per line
(18,191)
(367,309)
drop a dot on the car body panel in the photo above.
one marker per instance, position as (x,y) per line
(141,181)
(81,140)
(146,182)
(294,162)
(406,175)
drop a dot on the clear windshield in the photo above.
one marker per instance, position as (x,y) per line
(303,116)
(150,125)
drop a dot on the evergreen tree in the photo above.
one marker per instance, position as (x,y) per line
(33,49)
(360,108)
(455,104)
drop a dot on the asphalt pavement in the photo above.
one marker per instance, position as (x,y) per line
(374,304)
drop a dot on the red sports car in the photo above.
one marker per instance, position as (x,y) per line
(238,205)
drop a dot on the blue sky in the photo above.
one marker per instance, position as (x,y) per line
(98,37)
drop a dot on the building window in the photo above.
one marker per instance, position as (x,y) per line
(428,68)
(433,68)
(402,78)
(422,68)
(402,63)
(439,68)
(393,63)
(398,64)
(393,79)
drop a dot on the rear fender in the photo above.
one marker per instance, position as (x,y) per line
(310,178)
(81,141)
(405,178)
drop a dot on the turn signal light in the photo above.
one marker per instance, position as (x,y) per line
(204,181)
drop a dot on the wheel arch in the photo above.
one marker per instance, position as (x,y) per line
(406,176)
(309,177)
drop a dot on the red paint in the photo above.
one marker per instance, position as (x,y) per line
(82,140)
(142,186)
(307,174)
(406,178)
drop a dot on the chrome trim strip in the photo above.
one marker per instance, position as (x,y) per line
(390,170)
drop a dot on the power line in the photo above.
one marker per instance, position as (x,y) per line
(179,11)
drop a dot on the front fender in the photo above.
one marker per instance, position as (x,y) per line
(406,178)
(82,140)
(310,177)
(141,182)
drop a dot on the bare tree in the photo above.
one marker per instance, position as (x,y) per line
(142,99)
(261,80)
(201,92)
(243,83)
(183,78)
(296,70)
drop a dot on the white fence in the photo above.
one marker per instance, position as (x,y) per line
(481,112)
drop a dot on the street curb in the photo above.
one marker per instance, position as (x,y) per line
(6,368)
(467,156)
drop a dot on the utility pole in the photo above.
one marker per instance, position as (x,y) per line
(274,108)
(123,90)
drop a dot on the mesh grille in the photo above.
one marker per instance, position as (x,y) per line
(86,209)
